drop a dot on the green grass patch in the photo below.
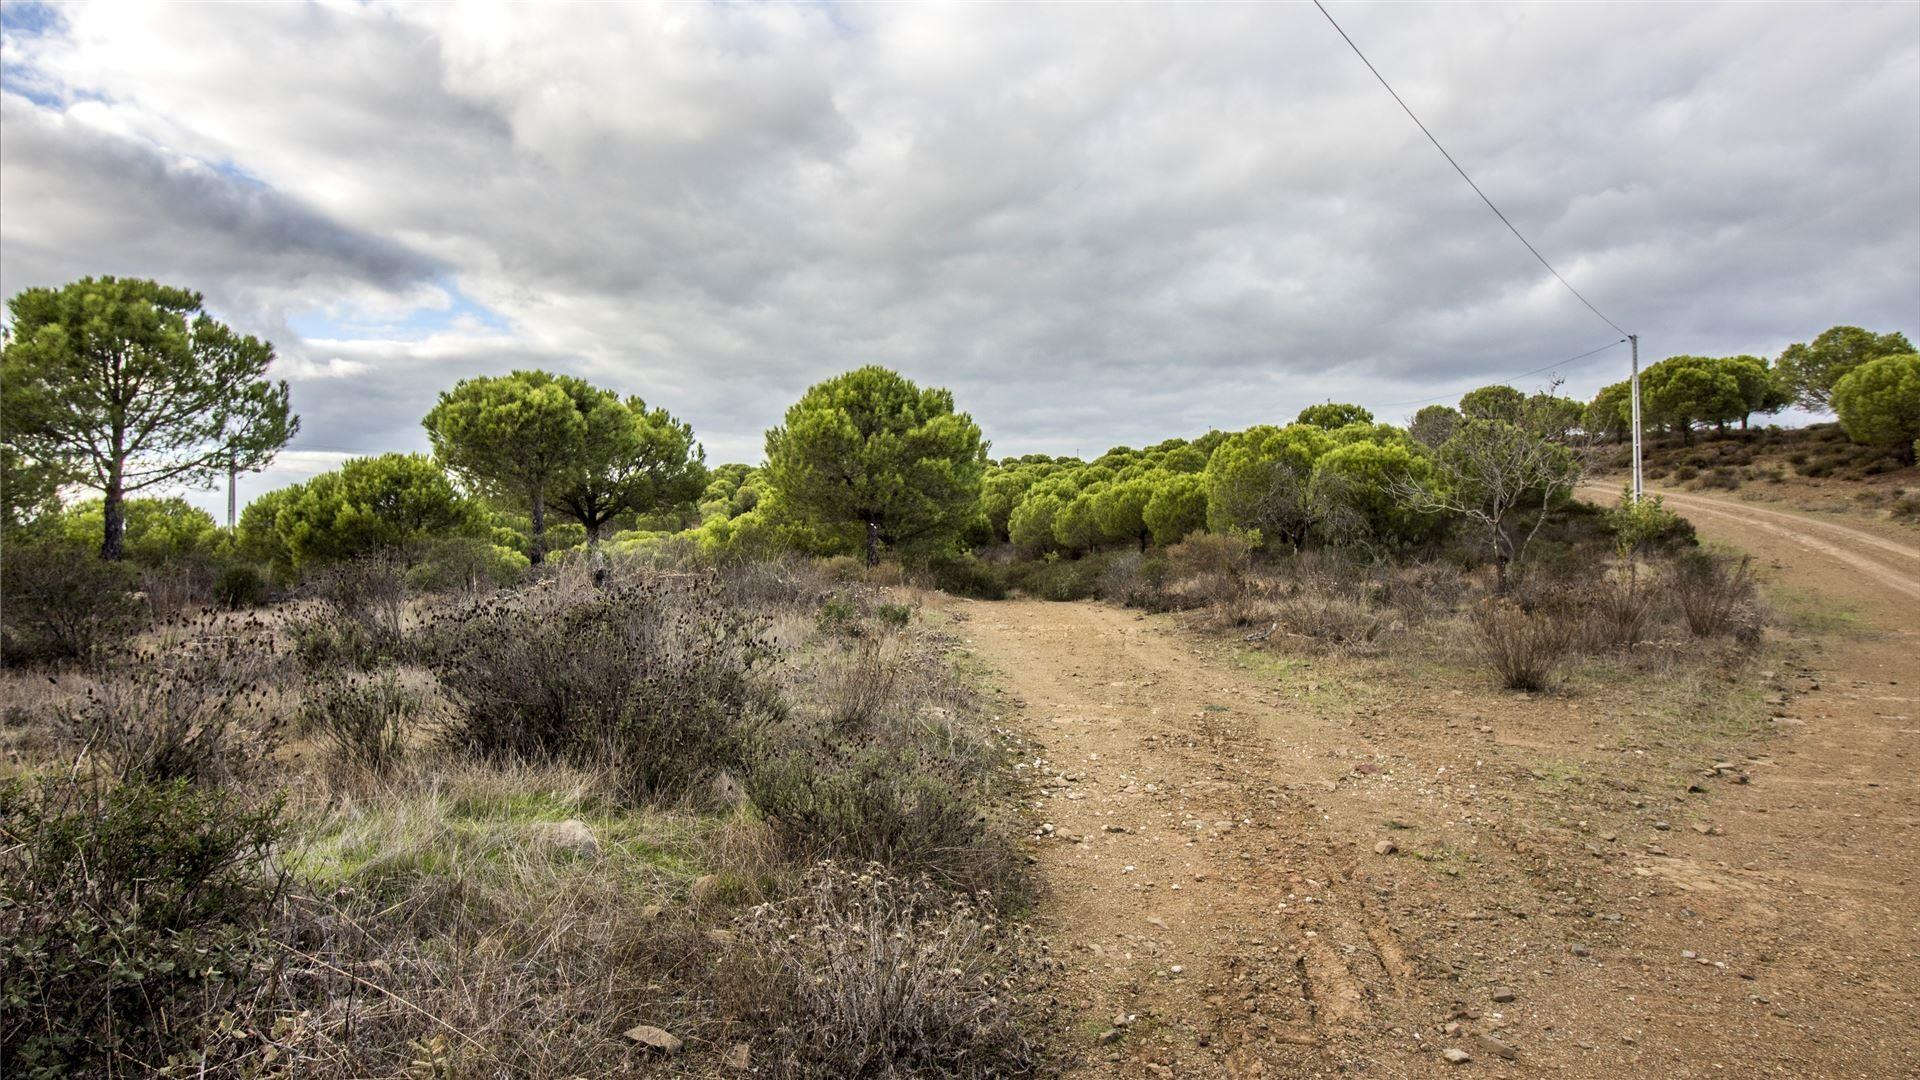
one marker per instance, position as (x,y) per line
(1558,774)
(1814,613)
(1445,860)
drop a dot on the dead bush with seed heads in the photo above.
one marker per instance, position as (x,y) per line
(202,708)
(363,720)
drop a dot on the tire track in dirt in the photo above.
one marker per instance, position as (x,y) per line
(1212,889)
(1194,886)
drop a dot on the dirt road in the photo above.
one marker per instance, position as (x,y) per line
(1283,866)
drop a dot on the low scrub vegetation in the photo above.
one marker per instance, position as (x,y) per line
(513,758)
(493,831)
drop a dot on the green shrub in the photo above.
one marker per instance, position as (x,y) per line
(133,926)
(1879,402)
(466,563)
(62,602)
(841,614)
(1644,525)
(1054,578)
(157,530)
(242,585)
(966,575)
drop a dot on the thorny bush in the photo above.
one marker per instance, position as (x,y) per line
(198,705)
(650,673)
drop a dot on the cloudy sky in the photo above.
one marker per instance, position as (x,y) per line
(1097,224)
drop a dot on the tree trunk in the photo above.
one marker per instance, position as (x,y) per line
(1499,575)
(113,546)
(593,532)
(1143,543)
(538,554)
(873,543)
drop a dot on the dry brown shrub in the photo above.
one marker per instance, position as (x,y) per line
(1331,615)
(865,974)
(1525,646)
(201,707)
(1715,594)
(1621,611)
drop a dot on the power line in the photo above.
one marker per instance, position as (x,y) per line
(1516,378)
(1463,172)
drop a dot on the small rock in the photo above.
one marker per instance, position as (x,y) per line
(1156,920)
(573,836)
(1114,828)
(1366,767)
(1495,1047)
(1580,950)
(1502,995)
(656,1039)
(1662,826)
(703,888)
(1456,1056)
(739,1057)
(1385,847)
(1109,1037)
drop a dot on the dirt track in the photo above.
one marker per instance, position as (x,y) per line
(1214,885)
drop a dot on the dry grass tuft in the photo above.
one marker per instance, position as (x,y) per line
(865,974)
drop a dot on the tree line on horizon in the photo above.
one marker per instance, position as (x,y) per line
(124,385)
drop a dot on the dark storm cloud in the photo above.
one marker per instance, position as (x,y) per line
(1096,224)
(79,201)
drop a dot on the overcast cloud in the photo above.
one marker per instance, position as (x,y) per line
(1097,225)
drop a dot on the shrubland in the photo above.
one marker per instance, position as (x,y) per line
(556,752)
(502,828)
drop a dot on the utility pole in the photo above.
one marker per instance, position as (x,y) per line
(232,504)
(1635,339)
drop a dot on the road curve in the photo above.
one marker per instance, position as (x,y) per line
(1878,563)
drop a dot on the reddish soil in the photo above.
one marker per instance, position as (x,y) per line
(1264,865)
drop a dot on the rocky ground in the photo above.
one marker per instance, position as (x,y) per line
(1268,864)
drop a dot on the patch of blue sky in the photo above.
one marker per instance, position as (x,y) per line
(461,314)
(29,18)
